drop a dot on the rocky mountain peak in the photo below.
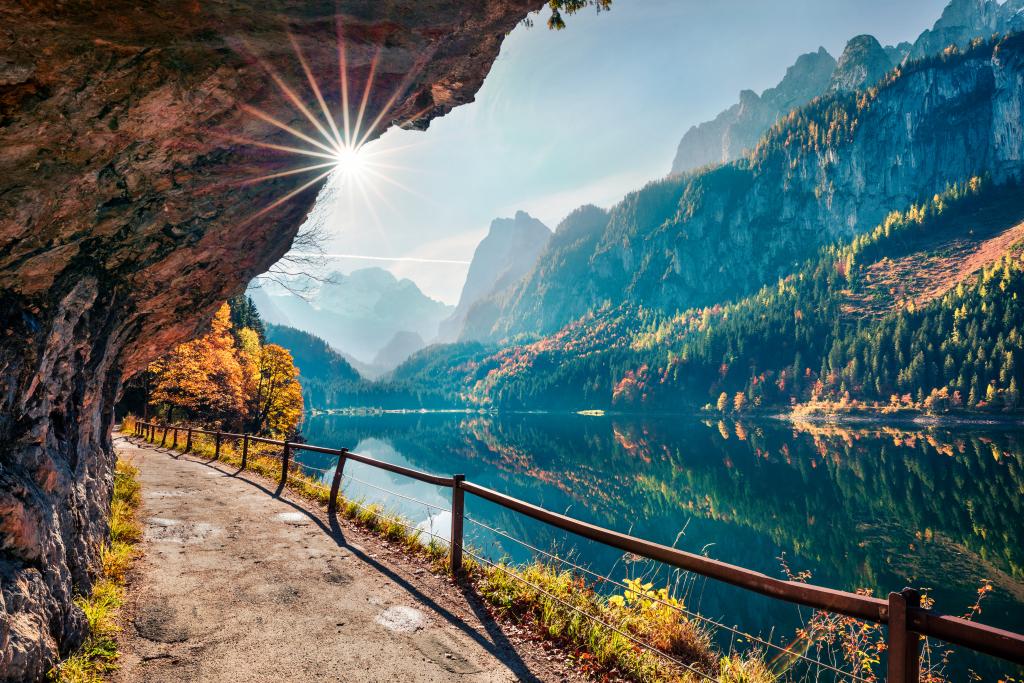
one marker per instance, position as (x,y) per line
(502,258)
(863,63)
(804,80)
(964,20)
(738,128)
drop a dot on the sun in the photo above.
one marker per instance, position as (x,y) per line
(350,162)
(331,145)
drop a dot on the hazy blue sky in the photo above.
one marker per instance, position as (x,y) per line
(585,115)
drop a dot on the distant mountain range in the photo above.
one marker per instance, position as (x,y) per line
(864,248)
(373,318)
(737,130)
(871,139)
(852,234)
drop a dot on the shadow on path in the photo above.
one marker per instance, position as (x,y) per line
(496,643)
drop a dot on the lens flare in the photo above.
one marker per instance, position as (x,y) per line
(333,144)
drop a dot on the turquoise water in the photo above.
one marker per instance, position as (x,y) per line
(874,508)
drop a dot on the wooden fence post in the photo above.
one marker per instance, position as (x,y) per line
(216,446)
(904,645)
(163,437)
(332,503)
(174,443)
(458,509)
(285,457)
(245,450)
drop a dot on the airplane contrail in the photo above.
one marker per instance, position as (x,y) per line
(408,259)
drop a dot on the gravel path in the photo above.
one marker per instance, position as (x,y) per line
(235,585)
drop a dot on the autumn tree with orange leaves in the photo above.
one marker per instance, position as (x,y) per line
(228,378)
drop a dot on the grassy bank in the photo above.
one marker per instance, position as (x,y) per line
(98,654)
(600,633)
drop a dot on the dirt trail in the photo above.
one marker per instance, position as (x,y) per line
(236,585)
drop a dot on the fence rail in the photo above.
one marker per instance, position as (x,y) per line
(902,613)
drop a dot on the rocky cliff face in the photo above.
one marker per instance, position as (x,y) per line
(534,297)
(832,170)
(502,258)
(964,20)
(127,211)
(737,130)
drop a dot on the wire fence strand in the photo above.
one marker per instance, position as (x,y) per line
(682,610)
(396,494)
(591,617)
(399,520)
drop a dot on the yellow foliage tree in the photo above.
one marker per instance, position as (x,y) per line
(274,396)
(220,380)
(203,376)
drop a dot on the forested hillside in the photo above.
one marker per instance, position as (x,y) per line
(322,370)
(833,332)
(827,172)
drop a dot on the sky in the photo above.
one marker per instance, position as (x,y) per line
(583,115)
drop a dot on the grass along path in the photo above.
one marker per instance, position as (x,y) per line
(98,655)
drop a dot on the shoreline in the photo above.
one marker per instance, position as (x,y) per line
(908,418)
(912,419)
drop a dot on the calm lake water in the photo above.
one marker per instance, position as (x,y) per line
(877,507)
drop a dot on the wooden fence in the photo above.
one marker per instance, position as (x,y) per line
(902,613)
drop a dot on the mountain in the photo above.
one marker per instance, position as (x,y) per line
(829,171)
(964,20)
(737,130)
(575,238)
(863,63)
(922,312)
(357,314)
(314,357)
(505,255)
(398,348)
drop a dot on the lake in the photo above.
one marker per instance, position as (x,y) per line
(876,508)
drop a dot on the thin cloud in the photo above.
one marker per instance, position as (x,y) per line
(402,259)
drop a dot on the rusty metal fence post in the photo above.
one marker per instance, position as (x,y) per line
(458,509)
(332,502)
(245,450)
(904,644)
(216,446)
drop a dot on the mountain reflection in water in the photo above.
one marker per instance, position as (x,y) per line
(875,507)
